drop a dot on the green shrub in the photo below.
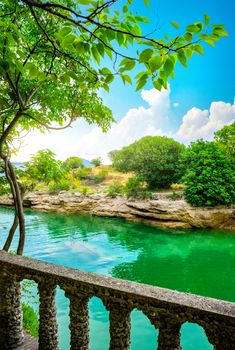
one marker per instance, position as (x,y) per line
(30,316)
(210,175)
(82,174)
(115,189)
(174,196)
(135,188)
(43,167)
(96,161)
(156,160)
(56,187)
(85,190)
(100,176)
(73,163)
(30,319)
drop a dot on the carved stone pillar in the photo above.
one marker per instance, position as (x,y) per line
(169,334)
(11,325)
(221,335)
(79,321)
(48,330)
(120,325)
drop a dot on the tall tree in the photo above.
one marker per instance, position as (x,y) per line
(154,159)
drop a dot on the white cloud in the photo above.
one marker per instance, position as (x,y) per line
(199,123)
(176,104)
(89,142)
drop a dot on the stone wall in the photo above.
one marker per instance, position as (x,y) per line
(158,212)
(167,310)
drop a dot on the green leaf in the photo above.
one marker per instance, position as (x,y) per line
(146,2)
(198,48)
(155,63)
(188,37)
(220,31)
(84,2)
(120,38)
(168,66)
(100,48)
(126,78)
(95,54)
(106,87)
(142,82)
(158,84)
(193,28)
(182,58)
(125,9)
(126,64)
(206,20)
(175,25)
(145,55)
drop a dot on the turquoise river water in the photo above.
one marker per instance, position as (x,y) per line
(195,261)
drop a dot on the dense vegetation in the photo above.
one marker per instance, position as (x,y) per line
(210,175)
(204,171)
(154,159)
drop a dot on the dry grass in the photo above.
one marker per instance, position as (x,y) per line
(112,175)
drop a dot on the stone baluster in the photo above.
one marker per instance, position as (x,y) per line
(48,330)
(169,333)
(120,325)
(11,325)
(221,335)
(79,320)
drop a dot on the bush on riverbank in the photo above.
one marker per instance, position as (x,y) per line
(210,175)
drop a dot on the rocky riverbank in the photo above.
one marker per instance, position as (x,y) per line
(157,212)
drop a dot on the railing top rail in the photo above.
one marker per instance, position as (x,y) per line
(34,268)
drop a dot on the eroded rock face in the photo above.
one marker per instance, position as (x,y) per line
(157,212)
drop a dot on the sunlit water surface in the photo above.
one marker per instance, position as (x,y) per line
(195,261)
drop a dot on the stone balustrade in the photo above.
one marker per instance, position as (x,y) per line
(167,310)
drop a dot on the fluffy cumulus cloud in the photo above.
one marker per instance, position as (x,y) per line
(199,123)
(137,122)
(89,142)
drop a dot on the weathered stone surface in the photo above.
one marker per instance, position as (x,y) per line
(30,343)
(157,212)
(11,325)
(167,310)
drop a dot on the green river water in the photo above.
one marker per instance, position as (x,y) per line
(196,261)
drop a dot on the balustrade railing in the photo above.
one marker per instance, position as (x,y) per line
(167,310)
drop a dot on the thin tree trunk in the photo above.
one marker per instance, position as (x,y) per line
(11,233)
(20,209)
(16,220)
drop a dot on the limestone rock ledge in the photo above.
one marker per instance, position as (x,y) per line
(157,212)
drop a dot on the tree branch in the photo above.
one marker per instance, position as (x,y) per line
(48,126)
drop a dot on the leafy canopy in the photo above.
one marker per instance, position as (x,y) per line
(73,163)
(96,161)
(43,167)
(210,175)
(87,31)
(226,138)
(155,159)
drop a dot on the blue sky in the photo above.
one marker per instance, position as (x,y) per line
(200,99)
(208,78)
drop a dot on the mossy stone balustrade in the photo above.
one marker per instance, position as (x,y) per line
(167,310)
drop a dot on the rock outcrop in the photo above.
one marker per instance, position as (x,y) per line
(157,212)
